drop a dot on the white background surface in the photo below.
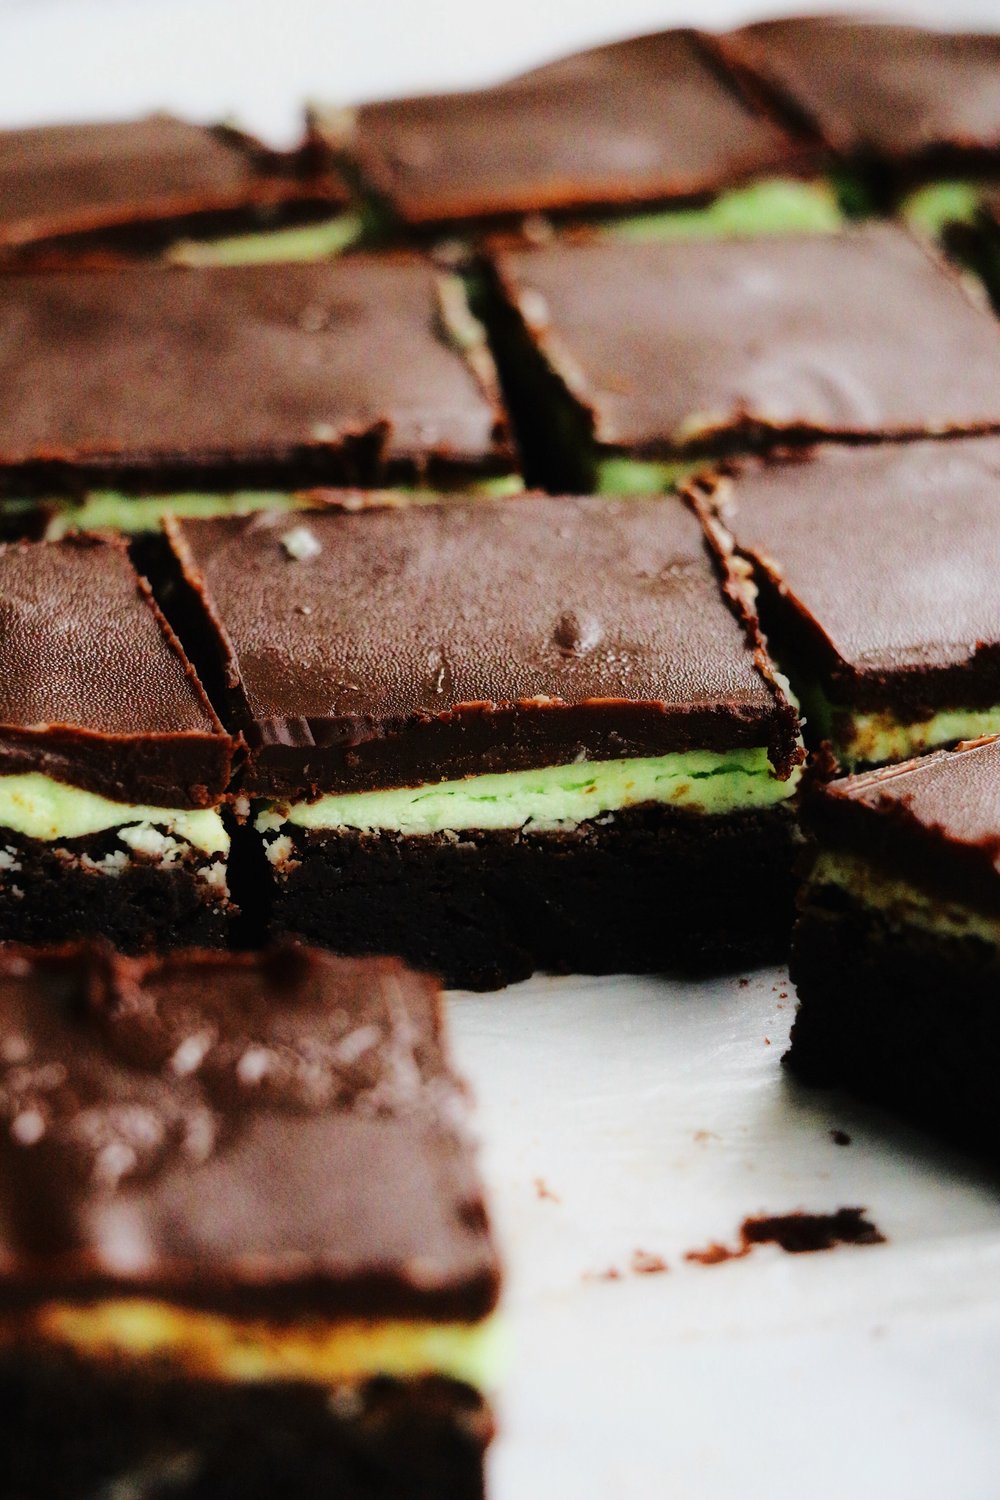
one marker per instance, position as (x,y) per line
(656,1113)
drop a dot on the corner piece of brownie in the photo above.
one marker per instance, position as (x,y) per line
(244,1249)
(896,952)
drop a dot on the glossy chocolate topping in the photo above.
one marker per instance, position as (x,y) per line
(638,122)
(61,180)
(94,689)
(442,641)
(881,567)
(273,1135)
(934,821)
(670,346)
(898,93)
(297,371)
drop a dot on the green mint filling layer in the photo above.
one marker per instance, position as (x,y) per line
(898,901)
(41,808)
(880,737)
(635,476)
(552,797)
(110,510)
(271,246)
(933,208)
(779,206)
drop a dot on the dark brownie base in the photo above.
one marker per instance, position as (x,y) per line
(50,895)
(899,1017)
(647,890)
(73,1432)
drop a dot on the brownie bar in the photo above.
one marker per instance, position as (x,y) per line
(901,101)
(896,953)
(489,768)
(243,1238)
(363,371)
(105,192)
(113,765)
(667,351)
(642,122)
(875,571)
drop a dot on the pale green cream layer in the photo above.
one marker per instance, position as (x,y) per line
(41,808)
(271,246)
(110,510)
(879,737)
(932,208)
(779,206)
(209,1345)
(900,902)
(635,476)
(553,797)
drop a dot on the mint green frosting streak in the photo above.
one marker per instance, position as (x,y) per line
(777,206)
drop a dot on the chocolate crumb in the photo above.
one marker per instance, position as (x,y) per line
(796,1233)
(840,1138)
(645,1264)
(611,1274)
(743,983)
(545,1192)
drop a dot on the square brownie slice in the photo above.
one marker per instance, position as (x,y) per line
(497,737)
(113,765)
(644,124)
(105,193)
(657,354)
(896,953)
(874,575)
(902,101)
(370,369)
(244,1248)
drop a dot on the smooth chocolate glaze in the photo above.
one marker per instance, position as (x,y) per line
(208,377)
(64,184)
(443,641)
(94,687)
(911,98)
(266,1135)
(673,346)
(879,568)
(934,821)
(635,123)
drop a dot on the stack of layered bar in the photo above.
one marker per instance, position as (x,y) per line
(482,536)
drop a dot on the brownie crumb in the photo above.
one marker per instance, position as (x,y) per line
(796,1233)
(612,1273)
(645,1264)
(545,1192)
(840,1138)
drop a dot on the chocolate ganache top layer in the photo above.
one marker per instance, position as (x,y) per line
(95,690)
(933,821)
(395,647)
(271,1135)
(57,181)
(700,346)
(297,373)
(636,122)
(879,567)
(902,94)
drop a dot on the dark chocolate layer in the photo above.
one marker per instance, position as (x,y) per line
(711,346)
(902,95)
(879,569)
(66,183)
(901,1017)
(441,641)
(290,375)
(94,688)
(73,1431)
(638,122)
(269,1136)
(934,821)
(650,889)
